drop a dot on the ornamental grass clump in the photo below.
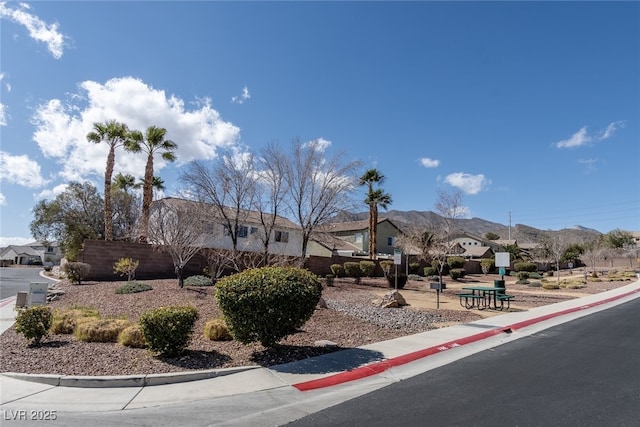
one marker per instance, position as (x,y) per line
(268,304)
(217,330)
(66,320)
(132,336)
(167,330)
(100,330)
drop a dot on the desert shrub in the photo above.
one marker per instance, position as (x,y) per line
(133,288)
(402,280)
(525,266)
(445,268)
(76,271)
(352,269)
(100,330)
(66,320)
(132,336)
(268,304)
(415,277)
(430,271)
(367,268)
(455,262)
(549,273)
(414,268)
(523,275)
(534,284)
(337,270)
(167,330)
(534,275)
(34,322)
(328,279)
(386,266)
(47,268)
(456,273)
(126,267)
(198,280)
(549,285)
(487,265)
(217,330)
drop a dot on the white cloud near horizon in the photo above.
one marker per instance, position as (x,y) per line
(318,144)
(18,241)
(49,194)
(429,163)
(243,97)
(469,184)
(582,137)
(20,170)
(38,29)
(3,201)
(61,127)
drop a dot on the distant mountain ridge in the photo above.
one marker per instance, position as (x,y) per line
(415,221)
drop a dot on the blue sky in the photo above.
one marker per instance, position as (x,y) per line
(532,109)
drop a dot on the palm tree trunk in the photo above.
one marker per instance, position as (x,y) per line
(373,239)
(108,216)
(147,198)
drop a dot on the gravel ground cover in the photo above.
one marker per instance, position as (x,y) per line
(350,320)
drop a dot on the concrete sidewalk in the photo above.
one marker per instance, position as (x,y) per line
(402,358)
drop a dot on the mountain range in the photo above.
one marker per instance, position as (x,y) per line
(416,221)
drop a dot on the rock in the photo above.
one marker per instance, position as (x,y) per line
(322,303)
(392,299)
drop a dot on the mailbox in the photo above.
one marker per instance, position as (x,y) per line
(438,286)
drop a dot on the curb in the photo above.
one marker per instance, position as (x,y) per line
(125,380)
(379,367)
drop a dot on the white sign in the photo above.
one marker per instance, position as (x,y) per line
(397,256)
(502,259)
(38,293)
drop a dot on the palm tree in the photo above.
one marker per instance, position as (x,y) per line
(124,182)
(375,198)
(152,142)
(114,134)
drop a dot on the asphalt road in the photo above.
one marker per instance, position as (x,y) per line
(14,280)
(581,373)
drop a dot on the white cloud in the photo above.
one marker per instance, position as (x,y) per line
(52,193)
(581,137)
(318,144)
(429,163)
(61,127)
(18,241)
(577,139)
(470,184)
(590,165)
(20,170)
(3,201)
(3,115)
(243,97)
(38,29)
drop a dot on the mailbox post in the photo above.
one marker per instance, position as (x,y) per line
(438,287)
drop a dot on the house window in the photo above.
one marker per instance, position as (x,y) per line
(282,236)
(49,249)
(254,230)
(389,241)
(243,231)
(358,237)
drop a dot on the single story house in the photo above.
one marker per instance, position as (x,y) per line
(34,253)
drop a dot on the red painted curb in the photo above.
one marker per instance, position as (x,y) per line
(379,367)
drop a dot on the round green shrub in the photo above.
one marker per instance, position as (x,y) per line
(414,268)
(268,304)
(337,270)
(402,280)
(133,287)
(198,280)
(76,271)
(328,279)
(455,262)
(352,269)
(367,268)
(167,330)
(525,266)
(456,273)
(430,271)
(34,322)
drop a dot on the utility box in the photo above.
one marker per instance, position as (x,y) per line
(38,293)
(22,299)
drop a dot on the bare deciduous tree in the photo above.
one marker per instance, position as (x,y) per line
(319,188)
(229,186)
(449,207)
(176,227)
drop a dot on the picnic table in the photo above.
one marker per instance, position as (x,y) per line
(482,297)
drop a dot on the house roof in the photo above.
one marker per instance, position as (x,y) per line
(252,217)
(335,227)
(21,250)
(333,243)
(476,251)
